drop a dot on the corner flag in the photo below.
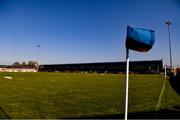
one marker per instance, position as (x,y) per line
(140,40)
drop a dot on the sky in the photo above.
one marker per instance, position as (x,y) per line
(84,31)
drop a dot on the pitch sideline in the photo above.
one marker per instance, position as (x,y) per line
(160,96)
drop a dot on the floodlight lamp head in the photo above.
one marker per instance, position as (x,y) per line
(169,22)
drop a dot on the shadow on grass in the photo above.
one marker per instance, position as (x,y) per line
(162,114)
(176,107)
(3,114)
(175,82)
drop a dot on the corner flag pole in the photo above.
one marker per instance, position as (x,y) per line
(165,71)
(127,84)
(140,40)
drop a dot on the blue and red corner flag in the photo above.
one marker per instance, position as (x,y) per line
(139,39)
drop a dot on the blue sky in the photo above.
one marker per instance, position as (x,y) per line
(83,31)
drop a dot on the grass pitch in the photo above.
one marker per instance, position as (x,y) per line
(75,95)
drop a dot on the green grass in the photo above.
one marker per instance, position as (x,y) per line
(170,98)
(144,92)
(73,95)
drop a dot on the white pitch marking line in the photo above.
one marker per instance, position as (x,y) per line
(7,77)
(160,96)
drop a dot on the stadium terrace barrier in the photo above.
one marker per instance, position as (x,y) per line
(18,70)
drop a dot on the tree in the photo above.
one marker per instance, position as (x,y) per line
(32,63)
(16,64)
(23,63)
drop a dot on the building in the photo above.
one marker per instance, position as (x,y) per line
(11,68)
(151,66)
